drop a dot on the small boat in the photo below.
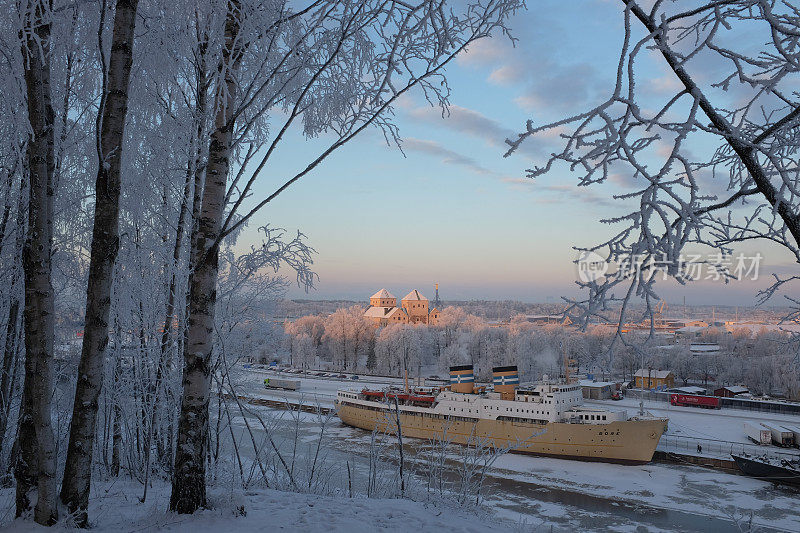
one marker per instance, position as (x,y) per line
(769,468)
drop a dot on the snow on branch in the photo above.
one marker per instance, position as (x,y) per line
(731,90)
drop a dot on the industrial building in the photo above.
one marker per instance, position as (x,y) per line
(597,390)
(731,391)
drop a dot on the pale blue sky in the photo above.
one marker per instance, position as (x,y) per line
(453,210)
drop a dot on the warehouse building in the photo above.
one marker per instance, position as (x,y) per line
(597,390)
(731,391)
(648,378)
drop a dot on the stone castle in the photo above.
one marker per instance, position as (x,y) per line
(414,309)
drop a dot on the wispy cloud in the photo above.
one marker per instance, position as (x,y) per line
(545,193)
(563,87)
(467,121)
(546,78)
(561,194)
(447,156)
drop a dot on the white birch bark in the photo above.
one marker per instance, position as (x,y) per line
(189,477)
(105,244)
(11,347)
(36,440)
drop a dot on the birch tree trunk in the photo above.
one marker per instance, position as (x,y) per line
(7,208)
(166,334)
(9,354)
(116,407)
(189,476)
(105,244)
(36,440)
(11,347)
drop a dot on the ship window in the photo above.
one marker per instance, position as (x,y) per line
(604,417)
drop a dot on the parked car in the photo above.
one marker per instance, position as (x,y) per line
(343,376)
(353,377)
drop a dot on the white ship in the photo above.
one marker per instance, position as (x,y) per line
(546,418)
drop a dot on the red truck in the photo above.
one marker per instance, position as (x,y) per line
(695,400)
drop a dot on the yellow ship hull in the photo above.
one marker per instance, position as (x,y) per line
(625,442)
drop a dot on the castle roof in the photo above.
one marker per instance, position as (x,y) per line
(383,293)
(414,295)
(394,310)
(377,312)
(383,312)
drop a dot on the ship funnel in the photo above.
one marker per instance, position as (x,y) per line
(505,378)
(462,378)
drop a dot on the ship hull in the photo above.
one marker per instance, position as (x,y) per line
(629,442)
(766,471)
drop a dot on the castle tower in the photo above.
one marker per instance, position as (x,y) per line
(416,306)
(383,298)
(433,314)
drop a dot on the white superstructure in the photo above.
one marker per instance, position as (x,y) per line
(541,403)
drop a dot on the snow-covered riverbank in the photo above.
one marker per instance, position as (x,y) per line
(115,507)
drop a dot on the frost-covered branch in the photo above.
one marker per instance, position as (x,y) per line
(750,110)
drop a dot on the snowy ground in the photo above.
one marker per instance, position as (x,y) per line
(520,492)
(573,495)
(596,496)
(115,507)
(674,498)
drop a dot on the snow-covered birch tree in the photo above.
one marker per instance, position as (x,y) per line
(37,463)
(105,245)
(331,69)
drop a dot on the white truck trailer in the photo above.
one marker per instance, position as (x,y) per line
(780,435)
(758,433)
(285,384)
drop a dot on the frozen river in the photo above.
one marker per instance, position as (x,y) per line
(577,495)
